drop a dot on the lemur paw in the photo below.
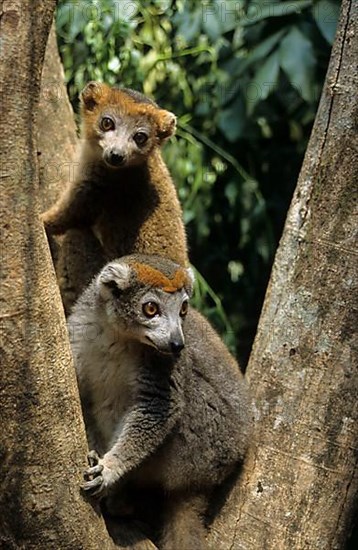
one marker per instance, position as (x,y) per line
(51,222)
(99,476)
(46,218)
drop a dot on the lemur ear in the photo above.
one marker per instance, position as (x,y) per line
(189,287)
(166,123)
(113,279)
(92,94)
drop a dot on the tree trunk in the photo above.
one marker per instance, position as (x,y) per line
(43,446)
(299,485)
(57,139)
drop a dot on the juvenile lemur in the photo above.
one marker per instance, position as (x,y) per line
(164,402)
(122,199)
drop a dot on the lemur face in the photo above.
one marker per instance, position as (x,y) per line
(122,126)
(143,312)
(156,319)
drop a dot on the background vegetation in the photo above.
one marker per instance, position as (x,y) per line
(244,79)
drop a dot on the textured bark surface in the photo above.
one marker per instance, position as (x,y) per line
(57,137)
(43,447)
(299,486)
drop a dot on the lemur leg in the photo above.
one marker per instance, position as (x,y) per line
(184,523)
(81,257)
(129,534)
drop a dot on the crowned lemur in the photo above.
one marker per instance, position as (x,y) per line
(122,199)
(165,403)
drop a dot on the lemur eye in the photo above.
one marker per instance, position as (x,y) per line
(184,309)
(150,309)
(140,138)
(107,124)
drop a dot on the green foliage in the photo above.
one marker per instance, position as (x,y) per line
(244,79)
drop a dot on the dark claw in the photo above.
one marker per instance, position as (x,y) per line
(93,486)
(93,471)
(93,458)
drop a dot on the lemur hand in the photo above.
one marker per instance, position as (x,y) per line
(100,475)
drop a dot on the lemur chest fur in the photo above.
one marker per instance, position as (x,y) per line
(113,386)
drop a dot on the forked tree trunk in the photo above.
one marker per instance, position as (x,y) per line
(300,483)
(298,487)
(43,446)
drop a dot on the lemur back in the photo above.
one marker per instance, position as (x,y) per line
(122,199)
(164,402)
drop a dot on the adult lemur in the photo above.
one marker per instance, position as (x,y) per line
(164,402)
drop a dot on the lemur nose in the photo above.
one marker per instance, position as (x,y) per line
(176,347)
(116,159)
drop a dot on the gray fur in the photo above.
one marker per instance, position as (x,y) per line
(178,423)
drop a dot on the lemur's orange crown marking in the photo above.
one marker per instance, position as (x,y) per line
(153,277)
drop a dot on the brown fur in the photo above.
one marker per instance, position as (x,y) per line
(129,209)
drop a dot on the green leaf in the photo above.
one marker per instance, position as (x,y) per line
(227,12)
(232,120)
(297,60)
(264,82)
(114,64)
(326,13)
(265,46)
(125,10)
(238,65)
(232,192)
(256,12)
(211,24)
(189,24)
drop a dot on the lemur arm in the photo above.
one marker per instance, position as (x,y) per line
(141,432)
(78,207)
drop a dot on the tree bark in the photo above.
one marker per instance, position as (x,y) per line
(43,445)
(298,486)
(300,482)
(57,137)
